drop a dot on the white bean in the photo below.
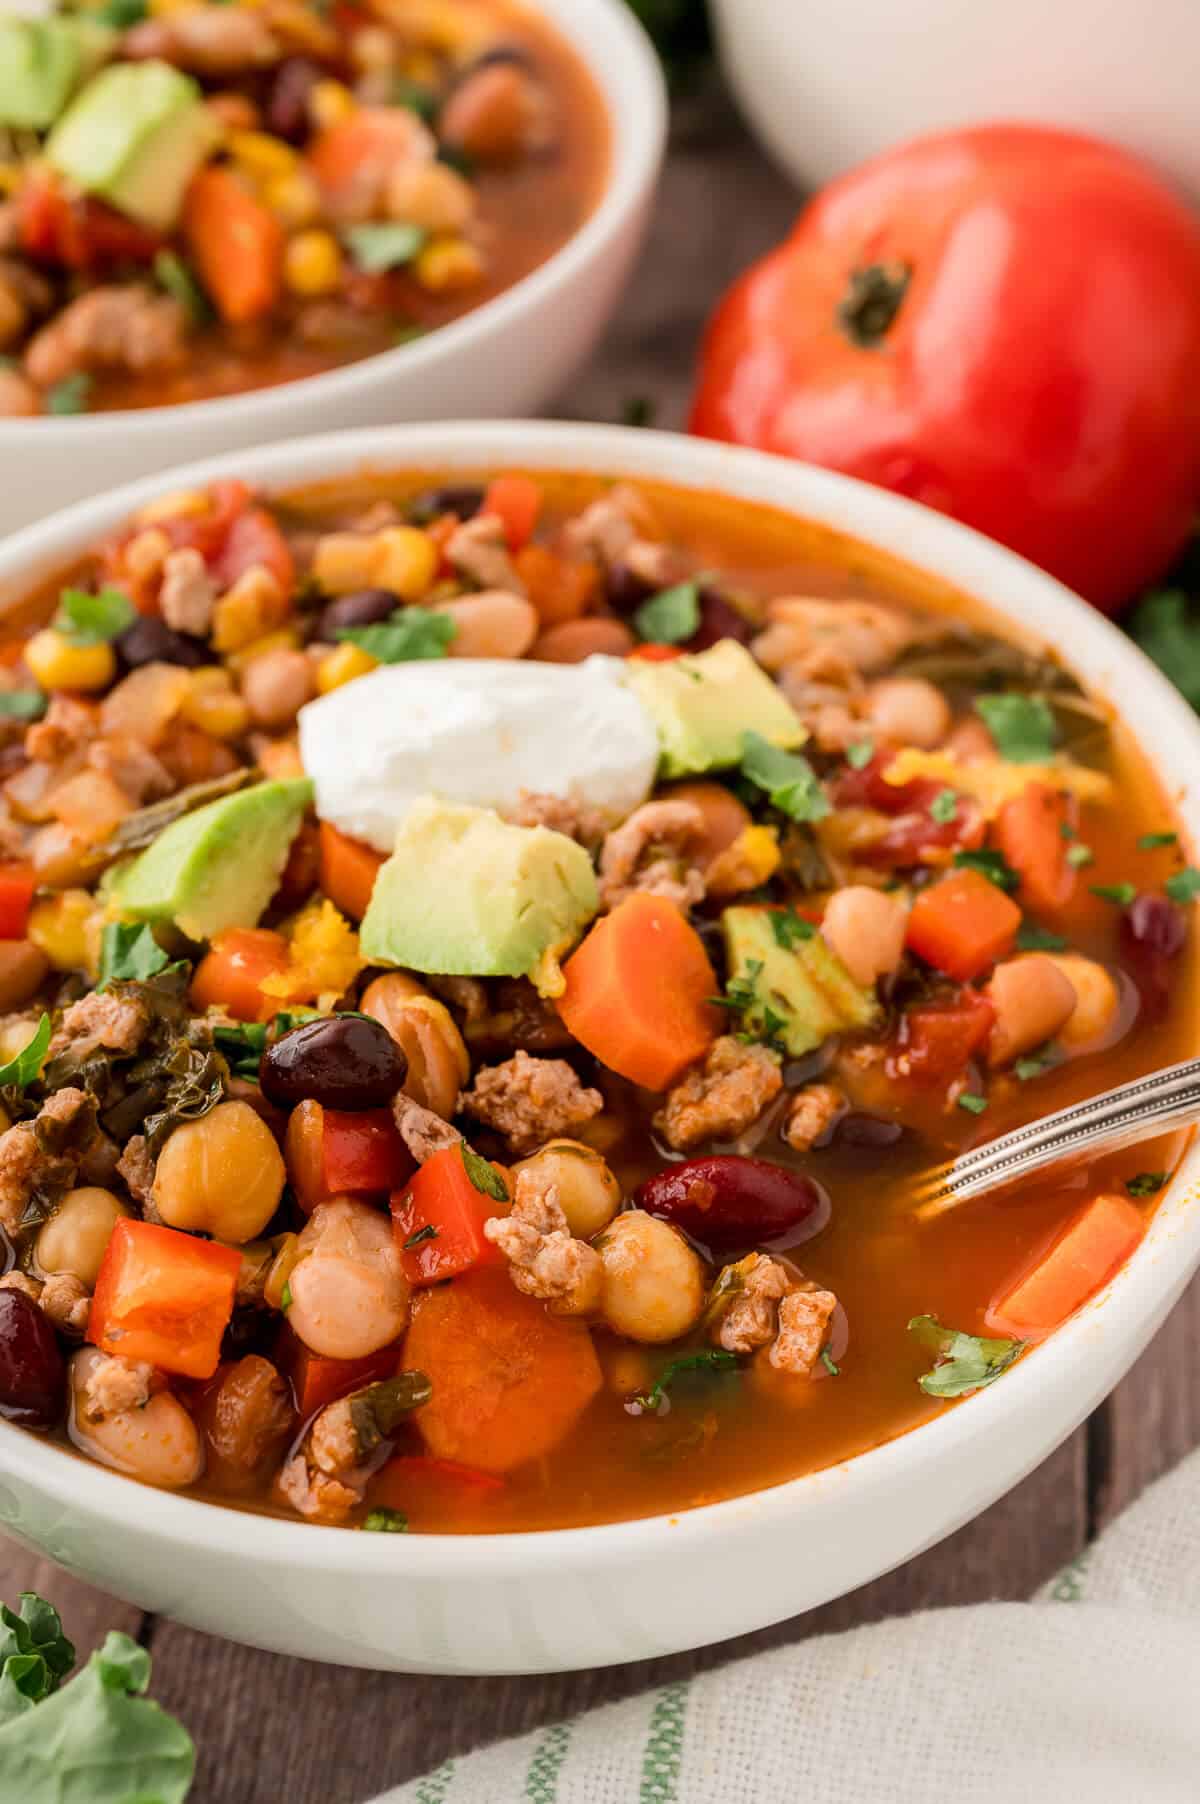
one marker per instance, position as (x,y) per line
(653,1281)
(866,928)
(76,1236)
(493,624)
(349,1293)
(909,711)
(158,1443)
(588,1193)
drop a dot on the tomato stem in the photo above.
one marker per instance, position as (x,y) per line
(874,295)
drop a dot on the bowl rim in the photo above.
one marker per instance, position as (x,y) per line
(1164,725)
(621,60)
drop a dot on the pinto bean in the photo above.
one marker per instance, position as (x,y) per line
(574,640)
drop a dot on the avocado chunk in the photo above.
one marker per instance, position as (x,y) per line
(219,866)
(467,894)
(798,990)
(135,136)
(41,62)
(702,704)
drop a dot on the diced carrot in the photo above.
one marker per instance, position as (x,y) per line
(638,992)
(438,1221)
(236,244)
(433,1489)
(1084,1256)
(17,884)
(560,588)
(1029,833)
(229,976)
(509,1379)
(316,1381)
(963,924)
(517,501)
(348,871)
(254,538)
(339,1152)
(165,1297)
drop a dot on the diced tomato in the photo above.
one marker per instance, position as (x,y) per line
(17,884)
(335,1152)
(77,232)
(316,1381)
(938,1039)
(254,538)
(963,924)
(230,974)
(443,1199)
(657,654)
(420,1484)
(914,837)
(517,501)
(165,1297)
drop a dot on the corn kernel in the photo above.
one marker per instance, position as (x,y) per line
(286,639)
(329,103)
(401,558)
(430,195)
(448,264)
(58,664)
(312,263)
(262,155)
(293,198)
(66,928)
(216,711)
(180,504)
(342,666)
(254,606)
(11,177)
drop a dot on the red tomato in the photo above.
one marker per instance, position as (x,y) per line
(1003,323)
(938,1038)
(17,884)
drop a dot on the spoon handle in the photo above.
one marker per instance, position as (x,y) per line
(1151,1105)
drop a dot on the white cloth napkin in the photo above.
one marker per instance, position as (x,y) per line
(1092,1691)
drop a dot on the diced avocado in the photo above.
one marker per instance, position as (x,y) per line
(42,61)
(219,866)
(468,894)
(798,991)
(702,703)
(135,136)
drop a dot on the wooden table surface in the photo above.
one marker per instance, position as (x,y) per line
(270,1729)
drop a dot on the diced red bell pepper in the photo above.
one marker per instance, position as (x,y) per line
(419,1483)
(339,1152)
(962,925)
(17,884)
(165,1297)
(517,501)
(253,538)
(938,1039)
(438,1221)
(316,1381)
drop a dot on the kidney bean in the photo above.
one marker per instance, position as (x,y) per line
(728,1201)
(719,619)
(363,608)
(624,590)
(1153,933)
(342,1062)
(32,1375)
(287,103)
(152,641)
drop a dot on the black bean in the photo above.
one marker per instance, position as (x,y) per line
(364,608)
(464,499)
(719,619)
(857,1128)
(32,1376)
(151,641)
(287,112)
(342,1062)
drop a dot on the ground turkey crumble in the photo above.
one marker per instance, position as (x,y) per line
(530,1101)
(721,1098)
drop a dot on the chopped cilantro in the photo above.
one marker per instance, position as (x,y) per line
(963,1362)
(1035,1063)
(1184,885)
(1149,842)
(285,1296)
(1147,1183)
(22,704)
(789,928)
(176,279)
(944,806)
(242,1045)
(121,14)
(410,634)
(860,754)
(1032,938)
(990,864)
(386,1522)
(669,617)
(788,780)
(1022,726)
(71,395)
(972,1103)
(655,1402)
(25,1065)
(1167,628)
(827,1360)
(1120,893)
(409,333)
(383,246)
(129,952)
(428,1232)
(87,619)
(483,1174)
(414,95)
(1080,855)
(1066,830)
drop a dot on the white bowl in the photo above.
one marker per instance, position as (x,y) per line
(508,357)
(829,82)
(586,1597)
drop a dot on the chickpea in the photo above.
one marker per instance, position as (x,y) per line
(23,967)
(909,711)
(493,624)
(276,685)
(430,195)
(158,1443)
(653,1281)
(349,1293)
(588,1192)
(222,1175)
(494,114)
(1097,1000)
(574,640)
(424,1029)
(866,929)
(1033,999)
(76,1236)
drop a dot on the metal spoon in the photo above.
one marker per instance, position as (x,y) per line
(1169,1098)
